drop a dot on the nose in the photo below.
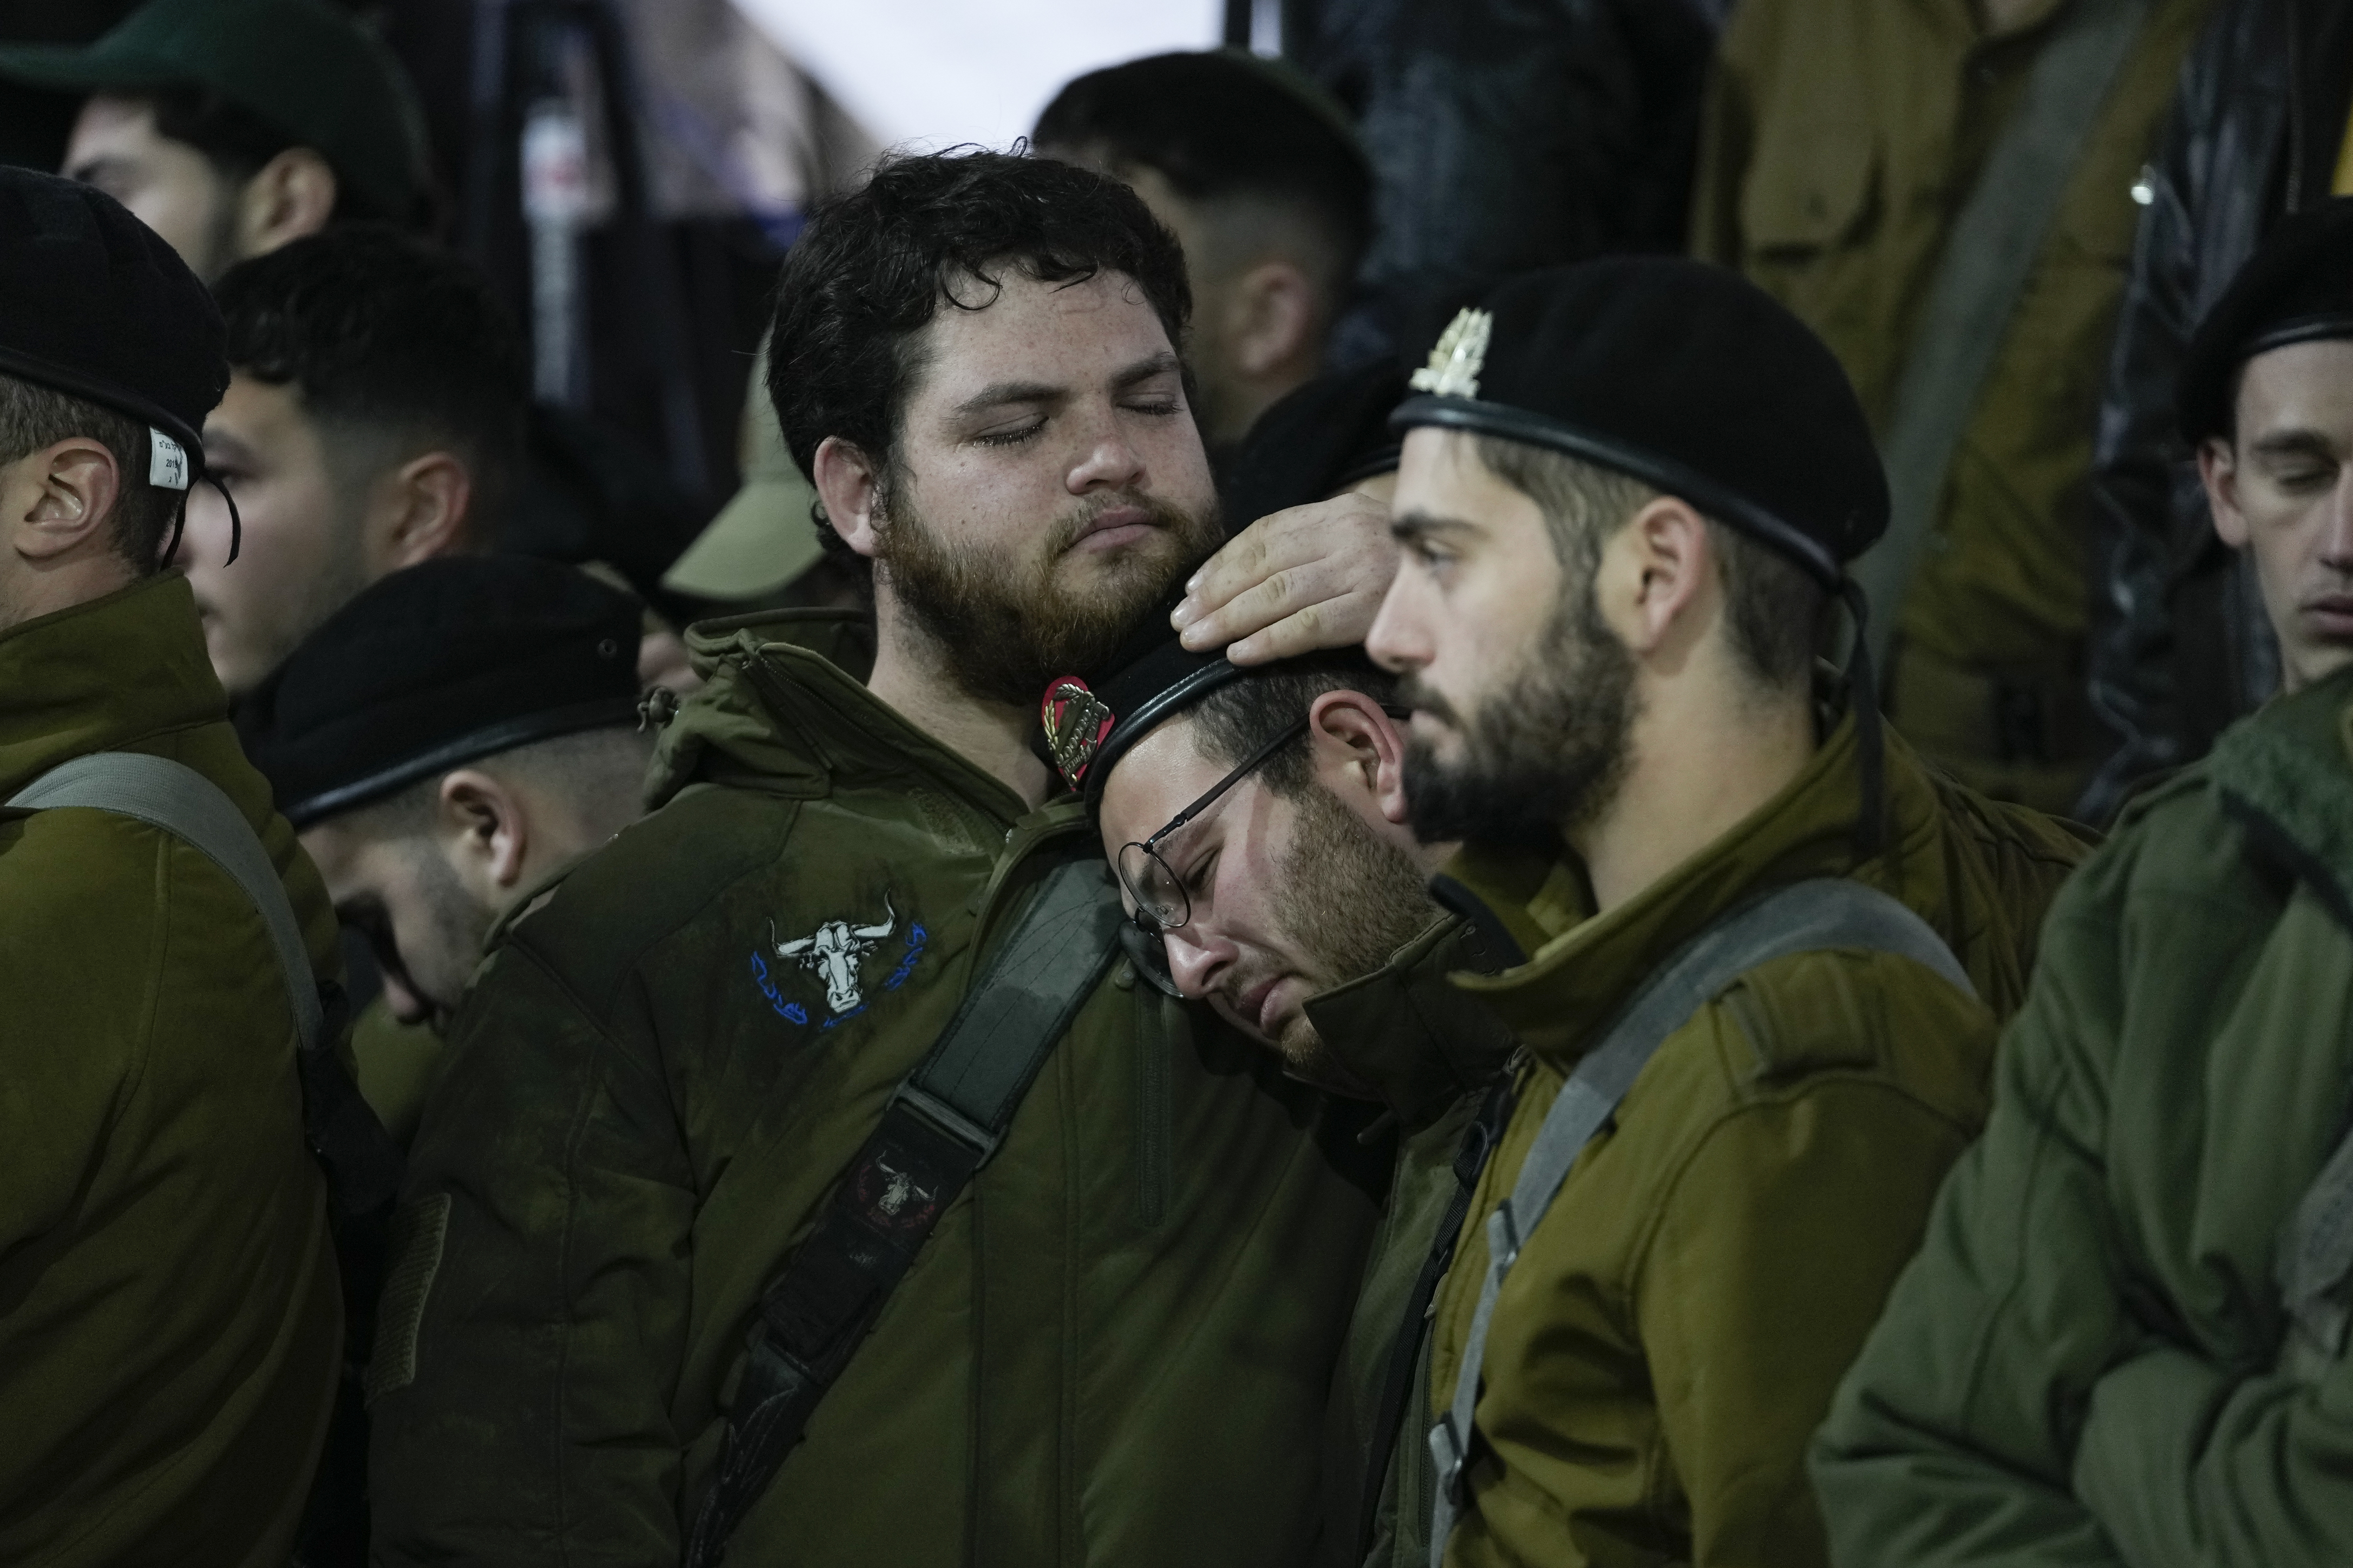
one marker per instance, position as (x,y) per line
(2336,541)
(1109,461)
(1195,959)
(1399,640)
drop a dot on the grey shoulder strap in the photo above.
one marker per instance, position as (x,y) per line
(1830,912)
(1992,248)
(185,804)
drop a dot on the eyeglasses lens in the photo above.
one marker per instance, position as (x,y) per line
(1159,896)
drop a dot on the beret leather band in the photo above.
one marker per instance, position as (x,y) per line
(489,741)
(107,394)
(2303,330)
(1483,418)
(1130,728)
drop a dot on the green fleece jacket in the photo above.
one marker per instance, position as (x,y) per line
(171,1326)
(1116,1346)
(2084,1365)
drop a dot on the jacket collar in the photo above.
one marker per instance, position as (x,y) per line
(783,710)
(101,675)
(2288,773)
(1410,1035)
(1583,966)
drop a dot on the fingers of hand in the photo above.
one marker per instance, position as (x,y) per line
(1346,528)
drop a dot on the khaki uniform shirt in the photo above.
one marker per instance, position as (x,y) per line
(1840,141)
(1672,1333)
(171,1326)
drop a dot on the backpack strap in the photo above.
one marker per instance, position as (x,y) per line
(941,1126)
(1989,253)
(363,1167)
(1826,914)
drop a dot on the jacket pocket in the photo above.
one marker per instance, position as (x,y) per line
(1810,190)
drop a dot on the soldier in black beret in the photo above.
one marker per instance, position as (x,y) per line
(457,735)
(170,1328)
(1768,951)
(2266,401)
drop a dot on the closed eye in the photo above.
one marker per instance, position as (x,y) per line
(1012,437)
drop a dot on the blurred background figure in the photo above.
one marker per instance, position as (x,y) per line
(373,420)
(1261,175)
(230,127)
(2180,645)
(1961,242)
(1502,138)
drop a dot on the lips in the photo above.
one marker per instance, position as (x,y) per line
(2331,615)
(1118,525)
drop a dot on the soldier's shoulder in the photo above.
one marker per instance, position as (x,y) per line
(649,881)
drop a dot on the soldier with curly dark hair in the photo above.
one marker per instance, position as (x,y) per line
(704,1252)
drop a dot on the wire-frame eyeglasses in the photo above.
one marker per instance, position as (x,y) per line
(1162,904)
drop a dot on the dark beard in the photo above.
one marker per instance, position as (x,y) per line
(1007,625)
(1543,756)
(1350,899)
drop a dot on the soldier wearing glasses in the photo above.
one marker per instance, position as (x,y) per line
(1257,820)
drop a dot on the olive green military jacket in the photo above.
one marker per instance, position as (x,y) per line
(2089,1362)
(171,1326)
(1838,142)
(1672,1333)
(1115,1348)
(1431,1053)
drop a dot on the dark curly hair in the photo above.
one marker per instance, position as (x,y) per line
(382,333)
(875,265)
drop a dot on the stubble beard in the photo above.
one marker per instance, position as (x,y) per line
(1006,624)
(1350,900)
(1542,756)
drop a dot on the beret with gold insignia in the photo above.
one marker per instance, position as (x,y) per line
(1685,376)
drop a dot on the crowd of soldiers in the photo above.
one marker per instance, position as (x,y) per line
(1471,953)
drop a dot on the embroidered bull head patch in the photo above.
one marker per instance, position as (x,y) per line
(835,951)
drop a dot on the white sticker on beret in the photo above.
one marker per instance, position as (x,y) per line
(167,462)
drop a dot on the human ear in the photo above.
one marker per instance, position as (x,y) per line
(428,502)
(1275,307)
(292,195)
(59,497)
(848,485)
(1664,559)
(1358,752)
(2218,469)
(484,831)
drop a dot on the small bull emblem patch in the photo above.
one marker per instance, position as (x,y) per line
(833,952)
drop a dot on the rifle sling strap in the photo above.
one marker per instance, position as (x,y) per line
(363,1167)
(941,1126)
(1825,913)
(1989,253)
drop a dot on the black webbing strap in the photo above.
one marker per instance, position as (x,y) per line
(941,1127)
(1413,1327)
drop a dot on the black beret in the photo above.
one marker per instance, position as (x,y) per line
(437,665)
(1685,376)
(94,304)
(1319,439)
(2296,288)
